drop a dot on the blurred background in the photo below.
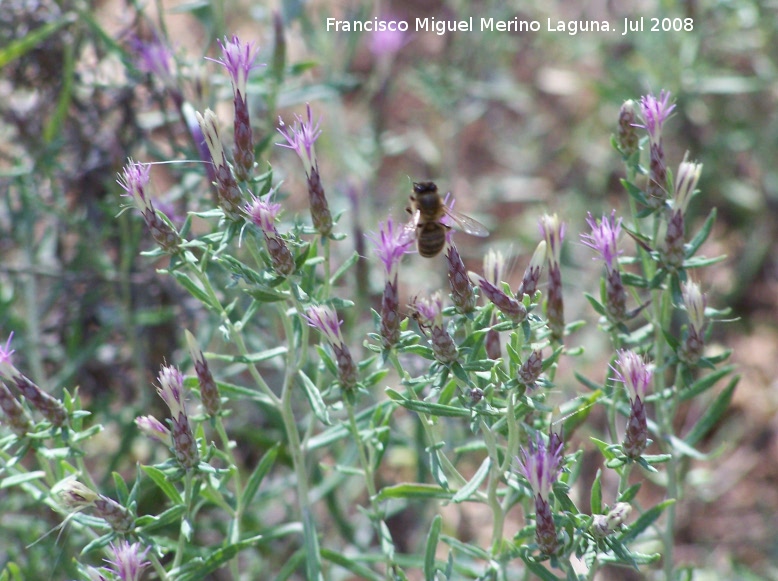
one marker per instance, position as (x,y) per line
(513,124)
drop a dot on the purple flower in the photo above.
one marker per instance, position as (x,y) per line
(7,368)
(128,560)
(171,389)
(301,137)
(134,180)
(655,112)
(392,242)
(153,57)
(635,373)
(429,309)
(152,428)
(263,213)
(541,464)
(604,236)
(326,321)
(238,59)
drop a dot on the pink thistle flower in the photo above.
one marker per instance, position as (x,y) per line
(238,59)
(654,113)
(604,236)
(301,137)
(392,242)
(128,560)
(541,464)
(634,372)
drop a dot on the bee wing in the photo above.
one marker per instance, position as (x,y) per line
(467,224)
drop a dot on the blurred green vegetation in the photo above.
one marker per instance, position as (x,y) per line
(514,124)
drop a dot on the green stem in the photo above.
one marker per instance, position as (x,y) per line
(296,450)
(183,537)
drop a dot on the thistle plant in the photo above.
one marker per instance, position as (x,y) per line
(289,465)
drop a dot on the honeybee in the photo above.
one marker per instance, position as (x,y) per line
(428,209)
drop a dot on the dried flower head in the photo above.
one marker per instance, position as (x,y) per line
(685,184)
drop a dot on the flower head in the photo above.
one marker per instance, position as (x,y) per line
(210,128)
(238,59)
(541,464)
(685,184)
(263,213)
(635,373)
(133,181)
(171,389)
(391,243)
(529,283)
(74,496)
(604,236)
(128,560)
(429,309)
(153,56)
(326,321)
(301,137)
(695,302)
(553,231)
(152,428)
(654,113)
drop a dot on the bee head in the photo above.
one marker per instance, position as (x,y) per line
(424,187)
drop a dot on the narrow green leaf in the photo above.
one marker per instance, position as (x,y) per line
(148,523)
(630,493)
(410,490)
(596,305)
(471,487)
(644,521)
(539,570)
(431,547)
(20,47)
(18,479)
(259,473)
(348,263)
(713,414)
(702,235)
(161,480)
(587,382)
(635,192)
(596,494)
(427,407)
(122,492)
(315,400)
(358,569)
(193,288)
(705,383)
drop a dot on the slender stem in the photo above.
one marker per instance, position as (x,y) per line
(296,449)
(183,535)
(495,475)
